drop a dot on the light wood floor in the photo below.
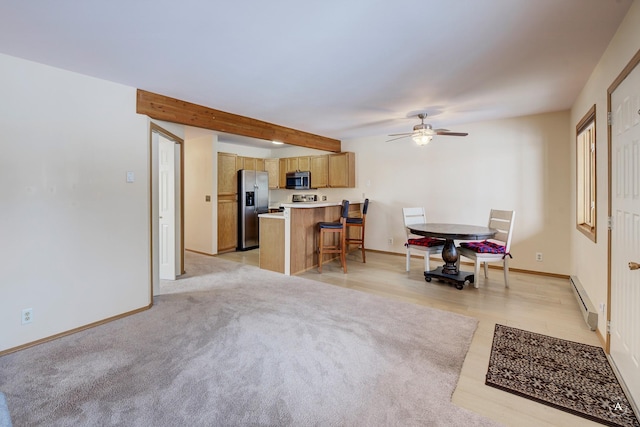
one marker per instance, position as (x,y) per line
(535,303)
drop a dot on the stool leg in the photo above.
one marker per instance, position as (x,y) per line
(320,252)
(343,247)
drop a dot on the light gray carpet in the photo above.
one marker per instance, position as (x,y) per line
(233,345)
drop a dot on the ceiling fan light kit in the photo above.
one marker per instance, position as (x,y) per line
(421,137)
(423,133)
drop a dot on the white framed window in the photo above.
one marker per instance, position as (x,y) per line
(586,174)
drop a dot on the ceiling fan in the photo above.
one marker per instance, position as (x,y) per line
(423,133)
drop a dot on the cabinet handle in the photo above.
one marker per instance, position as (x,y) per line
(634,265)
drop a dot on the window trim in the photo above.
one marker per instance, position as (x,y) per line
(586,227)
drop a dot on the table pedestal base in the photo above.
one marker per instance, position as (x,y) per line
(458,279)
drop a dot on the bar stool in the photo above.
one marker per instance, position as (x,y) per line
(359,223)
(334,248)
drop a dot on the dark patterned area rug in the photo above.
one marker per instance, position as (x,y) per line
(574,377)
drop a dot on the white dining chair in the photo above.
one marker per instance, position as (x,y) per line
(428,245)
(496,249)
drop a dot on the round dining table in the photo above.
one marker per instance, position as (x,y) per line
(450,232)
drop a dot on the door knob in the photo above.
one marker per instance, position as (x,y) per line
(634,265)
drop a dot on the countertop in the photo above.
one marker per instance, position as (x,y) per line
(274,215)
(307,205)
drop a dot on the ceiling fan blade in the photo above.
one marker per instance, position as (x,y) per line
(452,133)
(398,134)
(400,137)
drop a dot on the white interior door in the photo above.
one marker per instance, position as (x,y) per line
(167,208)
(625,237)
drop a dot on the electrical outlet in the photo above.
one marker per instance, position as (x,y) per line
(27,315)
(390,240)
(539,256)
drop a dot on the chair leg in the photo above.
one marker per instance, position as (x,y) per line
(476,273)
(486,270)
(427,265)
(506,272)
(364,256)
(408,259)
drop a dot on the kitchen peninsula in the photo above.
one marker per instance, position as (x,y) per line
(288,239)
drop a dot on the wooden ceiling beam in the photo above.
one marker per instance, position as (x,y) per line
(162,107)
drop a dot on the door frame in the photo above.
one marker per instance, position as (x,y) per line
(153,245)
(631,65)
(628,69)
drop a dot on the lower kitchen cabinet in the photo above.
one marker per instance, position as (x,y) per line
(272,233)
(227,225)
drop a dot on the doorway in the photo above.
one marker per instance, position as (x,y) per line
(167,206)
(623,341)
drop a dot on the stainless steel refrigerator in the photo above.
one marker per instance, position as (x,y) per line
(253,199)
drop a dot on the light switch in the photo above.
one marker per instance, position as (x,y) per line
(207,198)
(131,176)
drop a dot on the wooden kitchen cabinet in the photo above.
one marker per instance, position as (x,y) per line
(282,173)
(246,163)
(227,181)
(342,170)
(227,224)
(272,167)
(272,237)
(239,163)
(333,170)
(249,163)
(304,163)
(287,164)
(319,167)
(292,164)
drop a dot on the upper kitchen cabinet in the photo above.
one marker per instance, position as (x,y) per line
(342,170)
(304,163)
(291,164)
(227,168)
(282,173)
(272,167)
(249,163)
(319,167)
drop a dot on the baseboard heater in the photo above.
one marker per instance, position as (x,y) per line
(586,306)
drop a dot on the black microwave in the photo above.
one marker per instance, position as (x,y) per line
(299,180)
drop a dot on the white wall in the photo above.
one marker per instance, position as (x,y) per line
(589,260)
(519,164)
(74,238)
(200,180)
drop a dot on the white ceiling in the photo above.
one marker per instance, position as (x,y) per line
(336,68)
